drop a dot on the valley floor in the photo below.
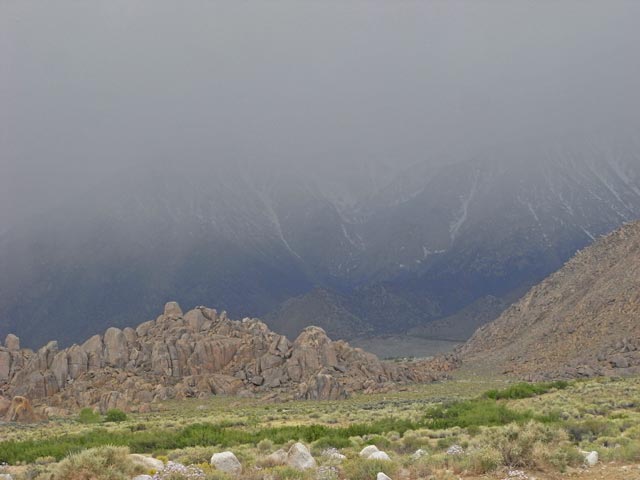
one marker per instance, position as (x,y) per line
(474,427)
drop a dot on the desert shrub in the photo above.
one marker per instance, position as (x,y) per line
(482,460)
(265,445)
(115,415)
(525,390)
(87,415)
(473,413)
(190,455)
(564,456)
(590,429)
(378,440)
(528,445)
(288,473)
(332,442)
(365,469)
(411,441)
(104,463)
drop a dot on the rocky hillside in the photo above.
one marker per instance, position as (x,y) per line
(197,354)
(583,320)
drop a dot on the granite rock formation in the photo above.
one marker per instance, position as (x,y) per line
(196,354)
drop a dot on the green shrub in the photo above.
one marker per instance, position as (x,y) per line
(191,455)
(265,445)
(115,415)
(87,415)
(525,390)
(474,413)
(482,460)
(590,429)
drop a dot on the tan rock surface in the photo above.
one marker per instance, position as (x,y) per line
(198,354)
(583,320)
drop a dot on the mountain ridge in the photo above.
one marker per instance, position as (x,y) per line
(397,249)
(583,320)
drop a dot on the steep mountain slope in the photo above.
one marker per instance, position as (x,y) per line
(392,249)
(582,320)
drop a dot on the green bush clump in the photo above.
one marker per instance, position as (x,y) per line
(87,415)
(474,413)
(115,415)
(525,390)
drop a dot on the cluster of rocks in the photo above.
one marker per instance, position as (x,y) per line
(196,354)
(621,357)
(297,457)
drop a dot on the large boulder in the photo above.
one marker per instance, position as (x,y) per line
(5,365)
(367,451)
(172,309)
(322,387)
(226,462)
(21,411)
(5,403)
(195,319)
(591,458)
(300,458)
(113,400)
(12,343)
(116,352)
(380,455)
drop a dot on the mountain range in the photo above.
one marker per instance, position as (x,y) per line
(376,248)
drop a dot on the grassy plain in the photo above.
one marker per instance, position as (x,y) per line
(498,426)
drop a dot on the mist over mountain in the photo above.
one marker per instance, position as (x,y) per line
(368,167)
(401,250)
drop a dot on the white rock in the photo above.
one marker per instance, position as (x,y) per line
(300,458)
(143,477)
(5,476)
(368,450)
(455,450)
(591,458)
(379,455)
(226,462)
(148,463)
(333,454)
(382,476)
(419,454)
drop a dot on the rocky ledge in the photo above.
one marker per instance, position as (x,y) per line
(197,354)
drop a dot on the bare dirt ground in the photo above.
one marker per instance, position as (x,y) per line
(602,471)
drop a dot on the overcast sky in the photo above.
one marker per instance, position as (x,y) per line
(90,87)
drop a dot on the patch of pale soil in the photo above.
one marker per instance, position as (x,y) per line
(402,346)
(602,471)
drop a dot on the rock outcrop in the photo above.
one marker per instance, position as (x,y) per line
(582,321)
(196,354)
(20,410)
